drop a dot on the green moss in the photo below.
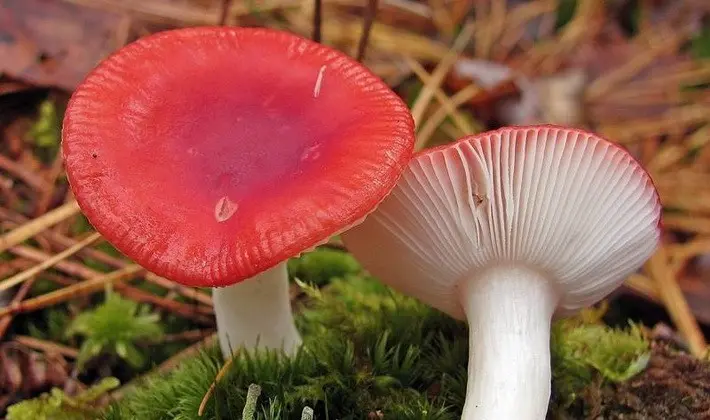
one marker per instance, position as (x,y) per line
(700,45)
(581,353)
(565,12)
(52,327)
(56,405)
(114,327)
(322,265)
(43,285)
(46,130)
(370,350)
(80,225)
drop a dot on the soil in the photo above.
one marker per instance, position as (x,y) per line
(675,386)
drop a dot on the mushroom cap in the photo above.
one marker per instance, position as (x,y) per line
(564,202)
(210,154)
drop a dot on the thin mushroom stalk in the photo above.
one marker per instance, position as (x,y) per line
(256,314)
(509,312)
(508,229)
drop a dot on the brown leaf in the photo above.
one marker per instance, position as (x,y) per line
(10,372)
(57,369)
(53,42)
(35,372)
(25,372)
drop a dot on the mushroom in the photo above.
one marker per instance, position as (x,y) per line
(508,229)
(211,155)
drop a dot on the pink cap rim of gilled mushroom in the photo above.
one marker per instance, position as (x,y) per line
(210,154)
(551,127)
(392,237)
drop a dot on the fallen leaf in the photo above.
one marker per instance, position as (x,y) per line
(53,43)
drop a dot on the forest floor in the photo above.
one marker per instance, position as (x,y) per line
(636,72)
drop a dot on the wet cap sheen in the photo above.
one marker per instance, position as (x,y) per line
(565,203)
(210,154)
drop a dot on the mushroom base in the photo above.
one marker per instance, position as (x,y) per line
(509,312)
(256,313)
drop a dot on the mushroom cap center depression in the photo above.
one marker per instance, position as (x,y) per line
(240,136)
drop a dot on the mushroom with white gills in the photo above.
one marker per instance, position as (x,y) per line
(211,155)
(509,229)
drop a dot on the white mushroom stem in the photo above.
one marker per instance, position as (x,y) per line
(509,311)
(256,313)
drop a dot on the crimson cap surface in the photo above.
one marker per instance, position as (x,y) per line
(563,202)
(210,154)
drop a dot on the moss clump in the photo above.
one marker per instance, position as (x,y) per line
(322,265)
(368,352)
(114,327)
(56,405)
(46,132)
(582,352)
(674,385)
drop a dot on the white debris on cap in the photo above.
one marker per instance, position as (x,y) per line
(224,209)
(319,81)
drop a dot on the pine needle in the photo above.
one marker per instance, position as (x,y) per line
(440,72)
(675,302)
(76,290)
(37,225)
(31,272)
(210,391)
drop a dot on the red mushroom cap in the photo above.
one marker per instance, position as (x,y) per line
(210,154)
